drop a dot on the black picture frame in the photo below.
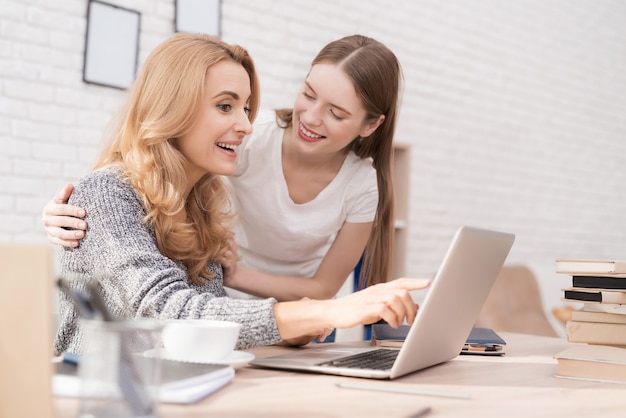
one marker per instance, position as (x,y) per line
(198,16)
(111,45)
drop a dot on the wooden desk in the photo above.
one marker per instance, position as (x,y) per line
(519,384)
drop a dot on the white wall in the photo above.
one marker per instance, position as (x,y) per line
(514,110)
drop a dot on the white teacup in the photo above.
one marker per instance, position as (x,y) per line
(200,340)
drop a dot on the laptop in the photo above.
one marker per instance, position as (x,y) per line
(443,322)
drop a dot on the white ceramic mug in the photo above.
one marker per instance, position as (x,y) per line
(200,340)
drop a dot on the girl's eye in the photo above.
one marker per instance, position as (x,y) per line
(247,110)
(332,112)
(307,95)
(224,107)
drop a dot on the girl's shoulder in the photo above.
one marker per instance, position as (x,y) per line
(356,164)
(359,173)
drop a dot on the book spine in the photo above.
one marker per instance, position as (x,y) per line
(591,267)
(613,297)
(586,316)
(600,296)
(596,333)
(582,296)
(620,267)
(615,308)
(604,282)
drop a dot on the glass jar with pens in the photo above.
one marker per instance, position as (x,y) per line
(116,380)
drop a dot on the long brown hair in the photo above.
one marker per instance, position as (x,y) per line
(161,107)
(377,76)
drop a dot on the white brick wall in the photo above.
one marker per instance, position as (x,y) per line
(514,110)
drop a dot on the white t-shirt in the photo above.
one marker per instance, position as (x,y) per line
(277,236)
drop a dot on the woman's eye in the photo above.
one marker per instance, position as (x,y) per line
(247,110)
(307,95)
(224,107)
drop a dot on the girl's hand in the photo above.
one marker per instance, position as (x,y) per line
(64,223)
(229,260)
(390,301)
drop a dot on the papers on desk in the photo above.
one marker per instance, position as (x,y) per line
(481,341)
(509,359)
(181,383)
(484,341)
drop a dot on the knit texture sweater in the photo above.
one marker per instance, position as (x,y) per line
(136,279)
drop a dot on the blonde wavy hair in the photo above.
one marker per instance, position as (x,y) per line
(161,107)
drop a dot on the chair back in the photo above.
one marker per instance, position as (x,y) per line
(514,304)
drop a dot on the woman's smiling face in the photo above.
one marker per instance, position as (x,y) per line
(220,123)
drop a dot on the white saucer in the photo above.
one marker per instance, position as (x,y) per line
(235,359)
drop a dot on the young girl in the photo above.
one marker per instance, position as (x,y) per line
(313,183)
(158,211)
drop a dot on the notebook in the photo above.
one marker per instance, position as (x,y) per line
(181,382)
(481,341)
(444,319)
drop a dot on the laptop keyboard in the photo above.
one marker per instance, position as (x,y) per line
(379,359)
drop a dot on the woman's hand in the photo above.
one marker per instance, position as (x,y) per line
(320,336)
(64,223)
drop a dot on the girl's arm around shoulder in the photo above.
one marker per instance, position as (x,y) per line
(334,269)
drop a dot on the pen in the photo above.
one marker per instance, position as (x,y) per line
(92,306)
(407,390)
(481,347)
(79,298)
(130,383)
(70,358)
(97,300)
(421,413)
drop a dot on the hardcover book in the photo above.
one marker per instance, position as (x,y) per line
(614,308)
(600,282)
(591,267)
(579,294)
(596,333)
(592,362)
(588,316)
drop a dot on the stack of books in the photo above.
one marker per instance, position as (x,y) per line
(600,287)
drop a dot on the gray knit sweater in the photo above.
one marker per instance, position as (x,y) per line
(137,280)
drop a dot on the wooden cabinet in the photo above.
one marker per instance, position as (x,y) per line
(401,176)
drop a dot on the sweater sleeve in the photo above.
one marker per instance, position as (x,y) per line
(137,280)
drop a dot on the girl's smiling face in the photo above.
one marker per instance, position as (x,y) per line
(328,115)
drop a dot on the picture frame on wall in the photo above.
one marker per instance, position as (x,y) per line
(111,45)
(198,16)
